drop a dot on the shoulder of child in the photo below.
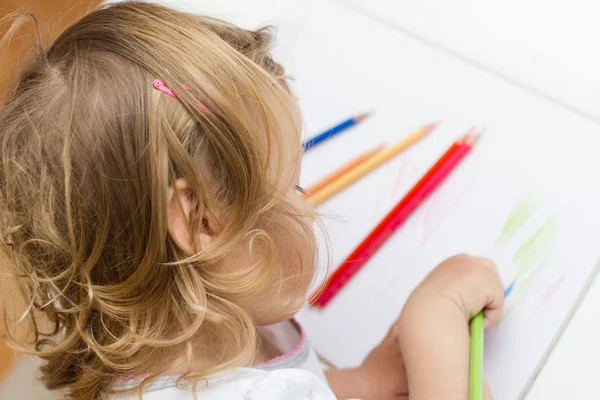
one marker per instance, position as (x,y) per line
(247,384)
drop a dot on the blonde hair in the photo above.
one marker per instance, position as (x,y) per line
(89,150)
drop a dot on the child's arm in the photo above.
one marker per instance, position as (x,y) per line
(352,384)
(391,384)
(433,329)
(430,344)
(345,383)
(381,376)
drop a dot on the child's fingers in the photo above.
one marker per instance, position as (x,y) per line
(495,293)
(495,304)
(486,262)
(491,316)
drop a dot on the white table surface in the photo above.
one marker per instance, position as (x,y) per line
(565,30)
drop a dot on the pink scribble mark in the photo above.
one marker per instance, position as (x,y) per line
(548,294)
(403,171)
(439,207)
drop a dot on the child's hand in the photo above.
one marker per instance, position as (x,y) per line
(433,329)
(471,283)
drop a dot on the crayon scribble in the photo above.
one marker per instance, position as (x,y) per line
(518,217)
(534,254)
(549,293)
(404,170)
(530,259)
(440,206)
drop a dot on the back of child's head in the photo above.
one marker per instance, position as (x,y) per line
(93,159)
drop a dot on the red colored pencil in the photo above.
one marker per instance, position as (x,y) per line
(399,214)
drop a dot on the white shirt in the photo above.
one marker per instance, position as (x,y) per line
(296,375)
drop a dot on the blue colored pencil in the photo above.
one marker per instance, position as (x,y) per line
(342,126)
(509,289)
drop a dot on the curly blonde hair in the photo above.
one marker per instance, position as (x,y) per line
(89,151)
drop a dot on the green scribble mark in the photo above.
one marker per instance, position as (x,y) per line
(531,258)
(533,250)
(518,217)
(539,268)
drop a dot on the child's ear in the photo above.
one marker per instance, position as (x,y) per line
(189,231)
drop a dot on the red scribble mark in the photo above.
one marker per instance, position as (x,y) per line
(403,171)
(548,293)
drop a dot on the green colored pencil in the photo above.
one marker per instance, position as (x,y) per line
(476,371)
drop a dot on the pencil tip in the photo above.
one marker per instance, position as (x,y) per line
(467,136)
(509,289)
(429,127)
(472,139)
(362,116)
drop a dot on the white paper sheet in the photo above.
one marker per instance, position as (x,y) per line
(533,152)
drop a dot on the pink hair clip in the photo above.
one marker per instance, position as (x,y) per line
(160,85)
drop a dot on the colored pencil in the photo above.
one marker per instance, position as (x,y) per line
(400,213)
(509,289)
(369,165)
(342,170)
(477,342)
(331,132)
(476,365)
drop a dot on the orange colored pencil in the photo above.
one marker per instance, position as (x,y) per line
(356,161)
(369,165)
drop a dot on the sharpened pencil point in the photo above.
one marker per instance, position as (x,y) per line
(362,116)
(509,289)
(473,139)
(429,127)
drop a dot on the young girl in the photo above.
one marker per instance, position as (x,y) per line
(149,213)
